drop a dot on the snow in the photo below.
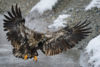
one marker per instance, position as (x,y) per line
(44,5)
(60,21)
(93,50)
(93,3)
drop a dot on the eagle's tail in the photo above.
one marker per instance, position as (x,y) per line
(13,21)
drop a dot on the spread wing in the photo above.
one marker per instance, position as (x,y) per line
(12,23)
(22,39)
(66,38)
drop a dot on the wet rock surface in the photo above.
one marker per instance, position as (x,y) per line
(70,58)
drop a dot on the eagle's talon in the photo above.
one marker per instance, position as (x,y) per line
(26,57)
(35,58)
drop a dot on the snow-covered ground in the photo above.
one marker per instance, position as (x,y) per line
(93,51)
(93,3)
(90,57)
(59,22)
(44,5)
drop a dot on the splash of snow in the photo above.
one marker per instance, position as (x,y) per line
(93,3)
(93,50)
(44,5)
(59,22)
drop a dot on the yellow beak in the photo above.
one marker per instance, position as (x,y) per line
(35,58)
(25,57)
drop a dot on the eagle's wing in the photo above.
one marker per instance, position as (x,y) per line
(13,22)
(22,38)
(66,38)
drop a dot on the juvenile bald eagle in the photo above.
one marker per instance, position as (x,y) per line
(26,42)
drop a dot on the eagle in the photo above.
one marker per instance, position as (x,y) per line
(26,41)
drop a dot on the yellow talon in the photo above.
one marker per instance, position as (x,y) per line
(35,58)
(25,57)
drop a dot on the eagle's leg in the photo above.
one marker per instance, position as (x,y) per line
(26,57)
(35,58)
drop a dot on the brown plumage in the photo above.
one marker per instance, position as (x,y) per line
(66,38)
(26,41)
(22,39)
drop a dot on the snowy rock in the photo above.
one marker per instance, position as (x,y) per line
(60,22)
(93,3)
(93,51)
(44,5)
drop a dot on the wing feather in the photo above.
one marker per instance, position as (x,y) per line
(11,23)
(13,11)
(70,37)
(22,38)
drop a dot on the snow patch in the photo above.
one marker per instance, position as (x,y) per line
(59,22)
(93,50)
(93,3)
(44,5)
